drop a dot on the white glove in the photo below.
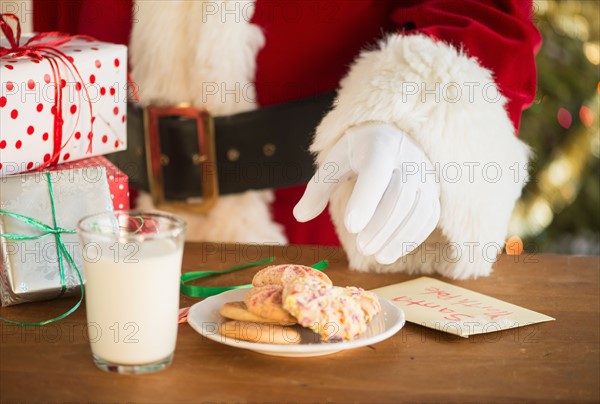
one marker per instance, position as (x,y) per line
(395,203)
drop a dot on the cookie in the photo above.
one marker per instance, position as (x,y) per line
(282,274)
(266,302)
(369,301)
(239,311)
(260,332)
(330,311)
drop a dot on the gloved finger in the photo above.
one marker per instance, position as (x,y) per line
(429,225)
(374,175)
(327,177)
(410,235)
(397,203)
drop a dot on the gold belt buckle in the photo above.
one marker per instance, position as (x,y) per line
(205,158)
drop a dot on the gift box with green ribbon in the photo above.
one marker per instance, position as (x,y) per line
(41,255)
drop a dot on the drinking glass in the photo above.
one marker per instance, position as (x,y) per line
(132,266)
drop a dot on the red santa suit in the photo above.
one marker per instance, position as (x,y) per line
(453,75)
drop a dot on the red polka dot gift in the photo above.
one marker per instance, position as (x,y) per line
(62,98)
(118,182)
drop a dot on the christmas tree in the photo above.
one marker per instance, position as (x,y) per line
(560,207)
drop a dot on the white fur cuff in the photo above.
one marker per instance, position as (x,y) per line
(452,108)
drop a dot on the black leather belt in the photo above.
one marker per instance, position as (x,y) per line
(182,153)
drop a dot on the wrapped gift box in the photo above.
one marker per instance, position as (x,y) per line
(30,269)
(118,182)
(86,88)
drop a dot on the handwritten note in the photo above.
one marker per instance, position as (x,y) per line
(455,310)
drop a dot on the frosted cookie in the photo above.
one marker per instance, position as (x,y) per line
(259,332)
(239,311)
(330,311)
(266,302)
(282,274)
(369,301)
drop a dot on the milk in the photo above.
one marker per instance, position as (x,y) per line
(132,300)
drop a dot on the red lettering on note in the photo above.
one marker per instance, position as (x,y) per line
(410,302)
(489,311)
(499,314)
(439,293)
(457,317)
(451,314)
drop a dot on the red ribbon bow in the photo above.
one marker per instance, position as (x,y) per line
(38,49)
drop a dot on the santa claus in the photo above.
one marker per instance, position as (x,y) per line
(417,156)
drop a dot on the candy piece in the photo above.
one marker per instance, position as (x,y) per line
(183,315)
(514,246)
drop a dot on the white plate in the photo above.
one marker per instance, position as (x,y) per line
(204,317)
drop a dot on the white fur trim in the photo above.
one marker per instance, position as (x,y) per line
(451,107)
(230,220)
(202,53)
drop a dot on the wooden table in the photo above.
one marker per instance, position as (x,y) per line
(549,362)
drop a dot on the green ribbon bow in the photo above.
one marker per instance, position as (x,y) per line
(207,291)
(61,251)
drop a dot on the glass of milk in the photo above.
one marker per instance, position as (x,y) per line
(132,266)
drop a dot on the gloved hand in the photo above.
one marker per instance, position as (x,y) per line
(395,202)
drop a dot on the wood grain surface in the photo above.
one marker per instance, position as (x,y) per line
(558,361)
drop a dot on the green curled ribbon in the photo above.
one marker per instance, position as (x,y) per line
(61,251)
(207,291)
